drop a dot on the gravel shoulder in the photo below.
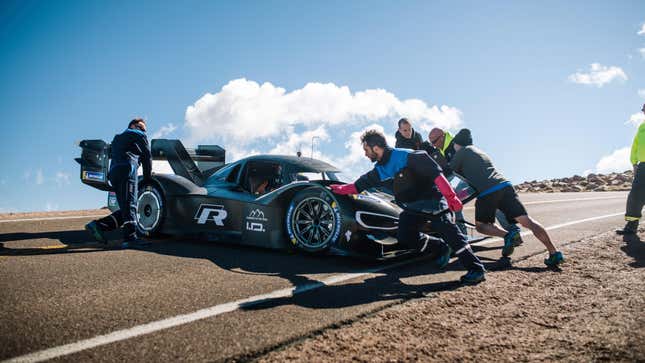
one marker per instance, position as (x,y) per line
(52,214)
(591,310)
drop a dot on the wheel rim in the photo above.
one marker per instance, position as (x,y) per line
(314,222)
(148,210)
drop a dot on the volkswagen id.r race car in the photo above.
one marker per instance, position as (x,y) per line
(271,201)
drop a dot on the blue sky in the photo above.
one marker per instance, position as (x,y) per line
(268,76)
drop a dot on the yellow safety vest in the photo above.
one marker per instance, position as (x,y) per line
(638,146)
(447,141)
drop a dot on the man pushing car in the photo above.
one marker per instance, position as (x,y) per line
(423,193)
(128,149)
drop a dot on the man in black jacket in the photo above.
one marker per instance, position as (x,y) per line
(406,137)
(423,193)
(443,155)
(497,193)
(128,150)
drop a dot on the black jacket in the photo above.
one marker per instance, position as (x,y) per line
(412,174)
(413,143)
(437,156)
(131,148)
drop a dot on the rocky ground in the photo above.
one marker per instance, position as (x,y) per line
(591,310)
(577,183)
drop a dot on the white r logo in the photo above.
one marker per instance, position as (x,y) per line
(215,212)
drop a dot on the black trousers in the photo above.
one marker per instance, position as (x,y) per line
(408,235)
(636,197)
(124,181)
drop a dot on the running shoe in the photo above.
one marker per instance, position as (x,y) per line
(554,259)
(509,243)
(473,277)
(443,257)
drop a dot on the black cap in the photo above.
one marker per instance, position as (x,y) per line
(463,138)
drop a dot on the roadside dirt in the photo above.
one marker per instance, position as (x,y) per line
(591,310)
(84,212)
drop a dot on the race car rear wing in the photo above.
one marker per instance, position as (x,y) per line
(195,165)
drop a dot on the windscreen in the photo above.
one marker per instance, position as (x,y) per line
(464,191)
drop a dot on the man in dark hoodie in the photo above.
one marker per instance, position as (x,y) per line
(495,192)
(128,150)
(406,137)
(443,153)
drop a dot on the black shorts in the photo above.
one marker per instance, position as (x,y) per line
(505,200)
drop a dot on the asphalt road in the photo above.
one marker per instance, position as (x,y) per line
(196,301)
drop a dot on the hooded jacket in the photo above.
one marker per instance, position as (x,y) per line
(413,143)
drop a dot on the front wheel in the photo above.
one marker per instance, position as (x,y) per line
(150,210)
(313,220)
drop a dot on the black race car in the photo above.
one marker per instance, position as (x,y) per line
(269,201)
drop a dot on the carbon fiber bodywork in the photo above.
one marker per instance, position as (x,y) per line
(225,207)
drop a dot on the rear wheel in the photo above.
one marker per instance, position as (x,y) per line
(150,210)
(313,220)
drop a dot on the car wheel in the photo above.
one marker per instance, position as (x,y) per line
(313,220)
(150,210)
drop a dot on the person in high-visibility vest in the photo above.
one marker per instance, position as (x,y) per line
(636,197)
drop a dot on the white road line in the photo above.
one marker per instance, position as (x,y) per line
(564,200)
(51,218)
(229,307)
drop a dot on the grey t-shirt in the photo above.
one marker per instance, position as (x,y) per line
(476,167)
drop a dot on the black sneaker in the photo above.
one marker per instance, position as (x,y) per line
(631,227)
(473,277)
(443,257)
(96,232)
(134,243)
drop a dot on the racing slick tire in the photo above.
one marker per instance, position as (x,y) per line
(151,210)
(313,220)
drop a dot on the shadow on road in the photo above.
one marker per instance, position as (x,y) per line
(73,242)
(291,266)
(634,248)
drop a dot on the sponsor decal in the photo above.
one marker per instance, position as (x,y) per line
(93,175)
(367,198)
(348,235)
(112,201)
(255,221)
(215,213)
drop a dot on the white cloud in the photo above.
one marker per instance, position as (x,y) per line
(244,111)
(51,207)
(641,93)
(39,179)
(618,161)
(642,52)
(302,142)
(598,75)
(354,163)
(164,131)
(636,119)
(61,178)
(642,31)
